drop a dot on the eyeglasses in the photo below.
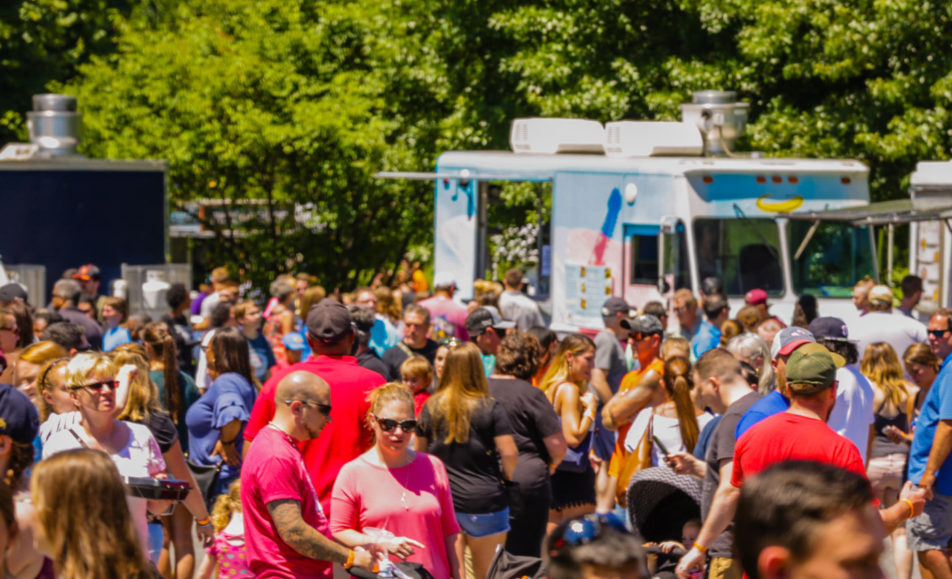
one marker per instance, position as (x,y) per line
(324,409)
(938,333)
(388,424)
(97,386)
(586,529)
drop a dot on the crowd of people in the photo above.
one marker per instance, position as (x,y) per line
(398,425)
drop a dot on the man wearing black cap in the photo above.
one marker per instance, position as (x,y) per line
(853,413)
(486,329)
(638,386)
(799,433)
(330,333)
(10,292)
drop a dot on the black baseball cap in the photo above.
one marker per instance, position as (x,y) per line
(18,417)
(12,291)
(329,321)
(486,317)
(645,324)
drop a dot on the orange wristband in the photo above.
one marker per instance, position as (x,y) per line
(350,559)
(203,522)
(700,547)
(912,508)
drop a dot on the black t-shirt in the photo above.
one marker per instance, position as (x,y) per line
(370,360)
(396,355)
(532,419)
(473,466)
(182,335)
(721,450)
(163,430)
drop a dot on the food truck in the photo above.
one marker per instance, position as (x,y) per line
(640,209)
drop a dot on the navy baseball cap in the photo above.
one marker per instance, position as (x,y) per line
(18,417)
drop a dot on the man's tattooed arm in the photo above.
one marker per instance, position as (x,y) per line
(303,538)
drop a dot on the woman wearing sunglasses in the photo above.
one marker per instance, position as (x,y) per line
(217,420)
(470,432)
(92,383)
(393,488)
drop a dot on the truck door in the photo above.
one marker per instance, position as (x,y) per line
(673,265)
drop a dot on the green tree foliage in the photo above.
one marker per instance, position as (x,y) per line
(299,101)
(43,41)
(283,105)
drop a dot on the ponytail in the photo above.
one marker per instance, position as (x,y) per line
(677,381)
(226,505)
(158,338)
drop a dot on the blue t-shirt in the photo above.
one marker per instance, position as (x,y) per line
(773,403)
(937,406)
(230,397)
(115,337)
(707,338)
(262,357)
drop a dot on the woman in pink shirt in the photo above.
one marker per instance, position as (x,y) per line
(393,488)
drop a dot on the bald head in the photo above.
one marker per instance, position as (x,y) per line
(302,385)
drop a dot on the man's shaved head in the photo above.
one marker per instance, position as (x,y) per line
(302,385)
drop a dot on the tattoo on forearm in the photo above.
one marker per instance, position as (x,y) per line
(303,538)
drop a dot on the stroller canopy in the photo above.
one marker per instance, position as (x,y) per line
(660,502)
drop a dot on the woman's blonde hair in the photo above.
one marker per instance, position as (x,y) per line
(86,363)
(44,383)
(677,382)
(89,538)
(881,365)
(143,393)
(558,371)
(42,352)
(226,505)
(312,296)
(462,386)
(389,392)
(674,344)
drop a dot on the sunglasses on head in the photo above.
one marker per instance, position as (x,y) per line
(97,386)
(586,529)
(451,342)
(389,424)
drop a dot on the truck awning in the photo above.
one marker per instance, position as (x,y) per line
(463,175)
(895,212)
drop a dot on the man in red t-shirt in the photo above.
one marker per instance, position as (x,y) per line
(286,532)
(799,433)
(331,337)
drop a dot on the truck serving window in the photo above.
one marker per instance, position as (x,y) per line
(743,253)
(836,256)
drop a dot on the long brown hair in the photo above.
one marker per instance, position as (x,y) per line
(677,382)
(230,354)
(161,345)
(462,387)
(881,365)
(89,538)
(558,371)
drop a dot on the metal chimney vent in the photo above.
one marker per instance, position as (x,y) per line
(719,117)
(54,125)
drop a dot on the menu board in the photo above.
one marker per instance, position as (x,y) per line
(929,259)
(586,289)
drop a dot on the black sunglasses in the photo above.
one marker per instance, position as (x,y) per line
(388,424)
(937,333)
(97,386)
(584,530)
(324,409)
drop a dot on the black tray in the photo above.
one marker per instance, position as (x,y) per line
(156,489)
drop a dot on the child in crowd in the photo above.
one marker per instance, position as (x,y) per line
(666,562)
(227,553)
(417,374)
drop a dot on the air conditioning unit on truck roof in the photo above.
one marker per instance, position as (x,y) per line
(550,136)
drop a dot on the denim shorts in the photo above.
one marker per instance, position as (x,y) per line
(482,525)
(932,530)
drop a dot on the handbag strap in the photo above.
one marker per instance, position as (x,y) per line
(77,437)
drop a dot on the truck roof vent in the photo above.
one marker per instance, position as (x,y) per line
(652,139)
(540,135)
(719,117)
(54,125)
